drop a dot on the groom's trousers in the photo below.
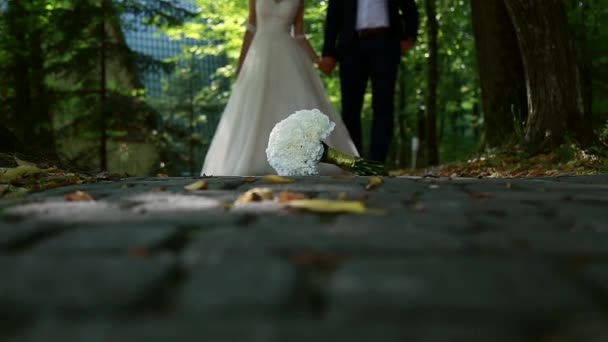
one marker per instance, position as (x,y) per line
(374,57)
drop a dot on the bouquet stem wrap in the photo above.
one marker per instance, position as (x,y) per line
(356,165)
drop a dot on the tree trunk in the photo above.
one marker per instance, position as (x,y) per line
(402,151)
(501,72)
(585,60)
(103,127)
(433,77)
(40,110)
(555,102)
(31,115)
(191,119)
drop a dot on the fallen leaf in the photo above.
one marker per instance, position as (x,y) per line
(138,252)
(256,195)
(78,196)
(341,196)
(286,196)
(249,179)
(328,206)
(52,185)
(277,179)
(198,185)
(480,195)
(418,207)
(162,175)
(374,182)
(316,260)
(23,162)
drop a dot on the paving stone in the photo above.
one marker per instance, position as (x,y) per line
(41,285)
(238,286)
(60,211)
(591,179)
(427,289)
(16,233)
(401,330)
(103,239)
(596,275)
(188,328)
(336,240)
(547,243)
(584,329)
(192,328)
(161,202)
(449,259)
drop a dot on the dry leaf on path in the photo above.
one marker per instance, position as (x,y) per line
(23,162)
(78,196)
(277,179)
(256,195)
(318,260)
(418,207)
(328,206)
(249,179)
(138,252)
(374,182)
(286,196)
(198,185)
(481,195)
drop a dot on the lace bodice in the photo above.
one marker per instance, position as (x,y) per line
(273,15)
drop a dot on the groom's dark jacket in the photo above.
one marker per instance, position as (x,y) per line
(341,21)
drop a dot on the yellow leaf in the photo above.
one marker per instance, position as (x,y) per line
(23,162)
(277,179)
(198,185)
(256,195)
(374,182)
(328,206)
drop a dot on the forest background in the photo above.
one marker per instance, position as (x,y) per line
(491,88)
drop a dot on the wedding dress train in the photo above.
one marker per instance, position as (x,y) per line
(277,78)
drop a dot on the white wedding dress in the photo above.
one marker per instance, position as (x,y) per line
(277,78)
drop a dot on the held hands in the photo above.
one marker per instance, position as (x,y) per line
(327,64)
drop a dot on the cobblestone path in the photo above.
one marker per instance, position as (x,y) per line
(433,260)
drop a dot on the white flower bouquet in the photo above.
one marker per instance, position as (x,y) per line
(296,147)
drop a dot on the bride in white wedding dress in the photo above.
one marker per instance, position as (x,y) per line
(275,78)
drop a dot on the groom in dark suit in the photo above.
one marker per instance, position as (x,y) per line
(367,38)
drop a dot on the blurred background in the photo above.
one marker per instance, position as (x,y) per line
(138,87)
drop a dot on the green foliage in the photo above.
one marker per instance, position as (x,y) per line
(187,117)
(50,66)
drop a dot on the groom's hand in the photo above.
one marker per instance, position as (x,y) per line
(327,65)
(406,45)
